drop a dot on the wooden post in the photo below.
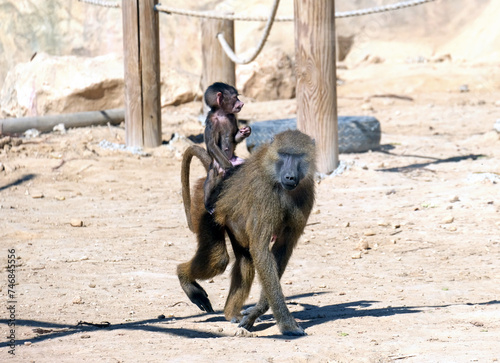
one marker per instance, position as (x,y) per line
(217,67)
(316,78)
(141,52)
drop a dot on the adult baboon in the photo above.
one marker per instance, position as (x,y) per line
(263,207)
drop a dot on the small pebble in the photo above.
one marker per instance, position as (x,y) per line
(362,245)
(356,256)
(78,300)
(91,285)
(369,232)
(60,197)
(85,336)
(36,195)
(455,199)
(241,332)
(447,220)
(76,223)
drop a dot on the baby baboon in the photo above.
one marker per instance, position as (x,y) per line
(263,207)
(221,136)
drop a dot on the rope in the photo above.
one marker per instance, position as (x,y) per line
(212,15)
(106,4)
(381,9)
(230,53)
(270,20)
(342,14)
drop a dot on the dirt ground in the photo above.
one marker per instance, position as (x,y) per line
(427,204)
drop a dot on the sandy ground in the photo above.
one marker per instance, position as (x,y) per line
(427,204)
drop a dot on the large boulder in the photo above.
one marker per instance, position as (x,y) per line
(52,85)
(178,86)
(270,77)
(57,85)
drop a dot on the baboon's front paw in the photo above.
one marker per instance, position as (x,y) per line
(247,322)
(292,330)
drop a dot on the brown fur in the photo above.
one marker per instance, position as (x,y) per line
(264,215)
(221,136)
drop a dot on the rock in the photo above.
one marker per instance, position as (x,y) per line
(464,88)
(242,332)
(455,199)
(441,58)
(59,129)
(30,133)
(60,197)
(78,300)
(178,86)
(369,232)
(36,194)
(367,107)
(178,144)
(76,222)
(447,220)
(270,77)
(356,256)
(372,59)
(62,84)
(362,245)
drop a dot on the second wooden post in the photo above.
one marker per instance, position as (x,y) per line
(217,67)
(316,78)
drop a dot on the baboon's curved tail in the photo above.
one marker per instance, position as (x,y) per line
(205,159)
